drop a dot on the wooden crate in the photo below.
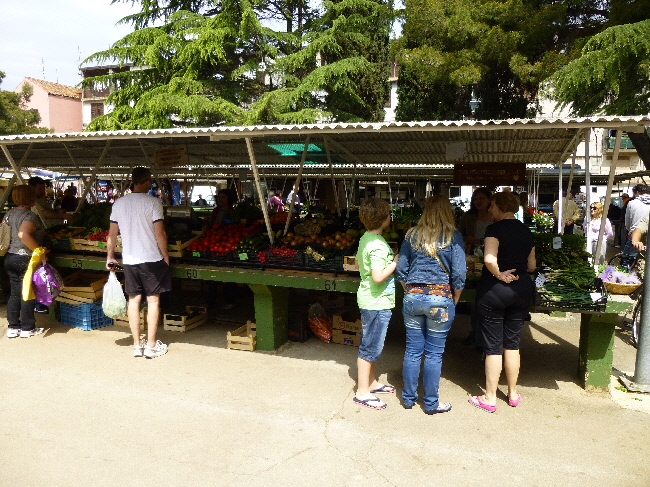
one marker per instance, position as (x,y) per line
(83,287)
(175,249)
(124,320)
(83,244)
(350,263)
(196,316)
(243,338)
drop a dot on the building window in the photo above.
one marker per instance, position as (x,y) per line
(96,110)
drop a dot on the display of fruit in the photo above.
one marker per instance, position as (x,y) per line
(96,234)
(224,238)
(61,231)
(283,251)
(338,240)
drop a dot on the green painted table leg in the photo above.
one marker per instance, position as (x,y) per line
(271,315)
(596,351)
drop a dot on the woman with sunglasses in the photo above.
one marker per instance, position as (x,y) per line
(592,230)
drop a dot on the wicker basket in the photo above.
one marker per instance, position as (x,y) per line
(617,288)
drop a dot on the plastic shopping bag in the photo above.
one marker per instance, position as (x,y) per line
(114,302)
(28,290)
(319,322)
(47,284)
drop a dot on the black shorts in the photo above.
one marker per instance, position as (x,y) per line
(150,278)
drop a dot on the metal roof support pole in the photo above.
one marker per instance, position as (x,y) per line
(155,173)
(560,202)
(313,195)
(588,194)
(297,184)
(256,176)
(354,177)
(568,189)
(608,194)
(16,176)
(16,169)
(92,175)
(81,174)
(334,188)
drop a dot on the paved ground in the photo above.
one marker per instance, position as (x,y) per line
(78,410)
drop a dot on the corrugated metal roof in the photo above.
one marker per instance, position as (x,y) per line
(419,148)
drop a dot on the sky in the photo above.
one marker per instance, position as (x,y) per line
(47,39)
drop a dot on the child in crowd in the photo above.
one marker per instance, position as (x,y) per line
(376,299)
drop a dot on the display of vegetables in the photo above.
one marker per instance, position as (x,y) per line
(252,244)
(572,253)
(224,238)
(97,215)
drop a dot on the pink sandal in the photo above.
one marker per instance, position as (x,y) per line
(516,402)
(477,402)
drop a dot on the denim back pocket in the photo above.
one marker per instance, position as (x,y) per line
(439,314)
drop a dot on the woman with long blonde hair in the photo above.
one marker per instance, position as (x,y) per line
(431,268)
(592,231)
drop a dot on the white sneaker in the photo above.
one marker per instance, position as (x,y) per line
(31,333)
(156,351)
(138,350)
(13,332)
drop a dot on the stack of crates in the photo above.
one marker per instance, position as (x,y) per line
(80,304)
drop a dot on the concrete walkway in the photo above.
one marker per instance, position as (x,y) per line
(78,410)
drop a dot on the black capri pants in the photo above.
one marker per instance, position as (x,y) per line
(502,309)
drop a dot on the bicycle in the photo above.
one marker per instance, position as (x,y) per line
(638,266)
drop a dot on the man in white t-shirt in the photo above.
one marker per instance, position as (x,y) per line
(138,217)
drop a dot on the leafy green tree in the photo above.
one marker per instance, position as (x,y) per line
(341,73)
(495,52)
(612,74)
(14,117)
(217,64)
(190,71)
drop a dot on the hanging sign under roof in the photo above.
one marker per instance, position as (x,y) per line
(171,156)
(490,175)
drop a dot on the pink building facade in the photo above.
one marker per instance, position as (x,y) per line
(58,105)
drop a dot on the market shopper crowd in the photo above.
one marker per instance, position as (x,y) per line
(431,267)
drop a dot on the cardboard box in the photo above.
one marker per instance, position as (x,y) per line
(348,320)
(345,337)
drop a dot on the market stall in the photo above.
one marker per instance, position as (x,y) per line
(431,151)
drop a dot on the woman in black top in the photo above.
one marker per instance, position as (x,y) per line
(503,297)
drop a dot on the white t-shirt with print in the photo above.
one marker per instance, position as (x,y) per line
(135,214)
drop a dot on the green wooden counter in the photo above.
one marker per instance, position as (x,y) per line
(271,289)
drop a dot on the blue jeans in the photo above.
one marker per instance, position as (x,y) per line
(20,314)
(427,319)
(374,324)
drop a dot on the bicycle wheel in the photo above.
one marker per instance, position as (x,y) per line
(636,321)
